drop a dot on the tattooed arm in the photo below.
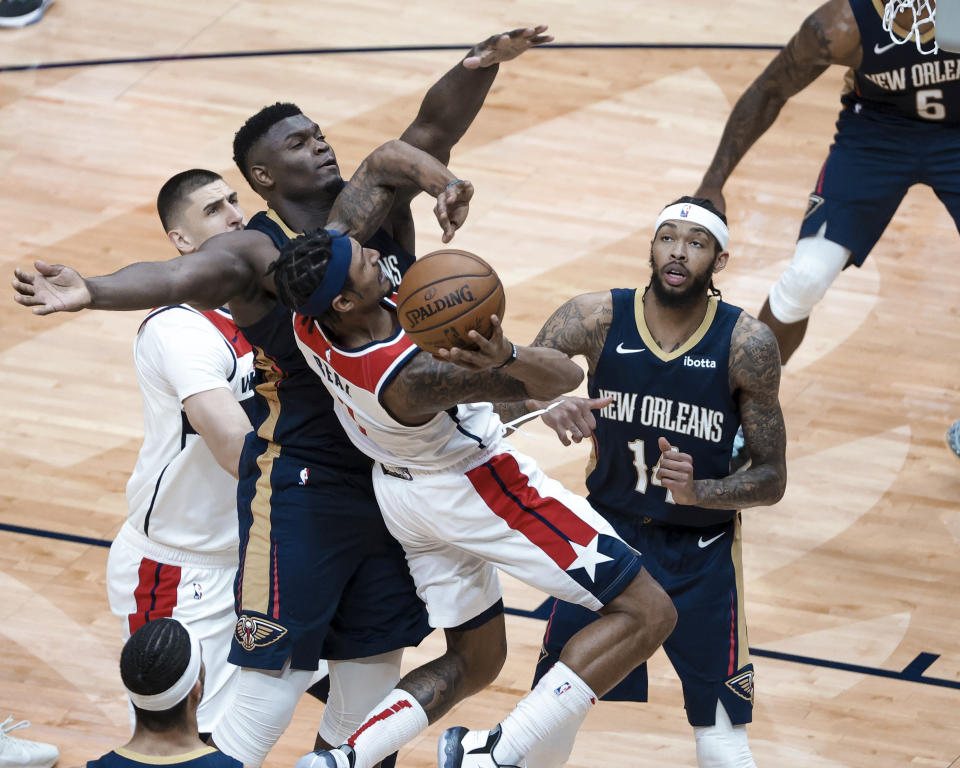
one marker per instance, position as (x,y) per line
(362,205)
(579,327)
(828,36)
(755,382)
(425,386)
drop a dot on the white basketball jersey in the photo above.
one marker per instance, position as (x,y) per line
(178,494)
(356,378)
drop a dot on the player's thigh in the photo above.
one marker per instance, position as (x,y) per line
(942,171)
(702,571)
(506,513)
(861,184)
(305,536)
(379,610)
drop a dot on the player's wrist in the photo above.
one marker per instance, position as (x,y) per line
(511,358)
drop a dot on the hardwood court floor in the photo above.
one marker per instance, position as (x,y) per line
(573,156)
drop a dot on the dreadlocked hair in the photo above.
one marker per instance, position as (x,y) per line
(255,128)
(706,203)
(301,268)
(152,660)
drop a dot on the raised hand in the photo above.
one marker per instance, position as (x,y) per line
(675,472)
(52,288)
(453,205)
(714,195)
(498,48)
(490,353)
(574,415)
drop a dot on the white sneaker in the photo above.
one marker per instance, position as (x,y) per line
(20,753)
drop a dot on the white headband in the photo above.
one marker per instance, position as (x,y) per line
(158,702)
(698,215)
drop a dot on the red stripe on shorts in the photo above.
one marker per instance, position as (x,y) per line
(155,594)
(823,172)
(544,520)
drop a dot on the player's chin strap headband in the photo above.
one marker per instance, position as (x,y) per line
(158,702)
(341,253)
(694,213)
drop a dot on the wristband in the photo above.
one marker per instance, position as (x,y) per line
(451,183)
(512,358)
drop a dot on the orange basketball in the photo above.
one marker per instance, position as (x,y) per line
(445,295)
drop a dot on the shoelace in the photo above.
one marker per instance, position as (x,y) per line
(5,729)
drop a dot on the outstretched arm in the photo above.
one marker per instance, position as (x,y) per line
(828,36)
(226,267)
(755,378)
(361,206)
(449,108)
(427,385)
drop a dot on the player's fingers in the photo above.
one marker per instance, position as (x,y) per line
(22,288)
(47,270)
(663,444)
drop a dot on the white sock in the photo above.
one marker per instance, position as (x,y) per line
(390,725)
(559,701)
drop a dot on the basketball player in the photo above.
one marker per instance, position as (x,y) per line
(305,496)
(176,554)
(899,126)
(357,583)
(674,371)
(463,503)
(162,669)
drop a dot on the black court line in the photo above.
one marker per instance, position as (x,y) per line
(912,673)
(379,49)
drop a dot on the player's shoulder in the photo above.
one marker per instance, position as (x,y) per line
(753,347)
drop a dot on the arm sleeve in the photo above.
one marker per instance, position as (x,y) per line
(181,352)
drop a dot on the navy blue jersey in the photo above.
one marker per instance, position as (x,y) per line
(294,410)
(205,757)
(683,396)
(898,79)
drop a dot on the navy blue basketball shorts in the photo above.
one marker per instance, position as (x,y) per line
(319,576)
(700,568)
(874,160)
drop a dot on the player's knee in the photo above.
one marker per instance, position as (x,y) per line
(262,707)
(815,265)
(481,651)
(723,745)
(649,607)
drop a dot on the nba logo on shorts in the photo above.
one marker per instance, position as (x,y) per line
(561,689)
(304,476)
(197,591)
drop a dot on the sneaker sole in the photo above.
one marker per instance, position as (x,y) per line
(25,21)
(450,747)
(953,442)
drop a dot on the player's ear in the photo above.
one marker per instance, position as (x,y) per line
(180,241)
(261,175)
(721,261)
(341,303)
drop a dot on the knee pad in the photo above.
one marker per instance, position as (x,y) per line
(723,745)
(816,264)
(263,705)
(356,687)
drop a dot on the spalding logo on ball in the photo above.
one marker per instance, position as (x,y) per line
(445,295)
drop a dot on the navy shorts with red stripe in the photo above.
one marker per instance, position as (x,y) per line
(704,647)
(338,583)
(874,160)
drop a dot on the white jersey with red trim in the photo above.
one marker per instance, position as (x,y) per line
(356,379)
(178,495)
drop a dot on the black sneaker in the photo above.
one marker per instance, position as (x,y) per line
(462,748)
(20,13)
